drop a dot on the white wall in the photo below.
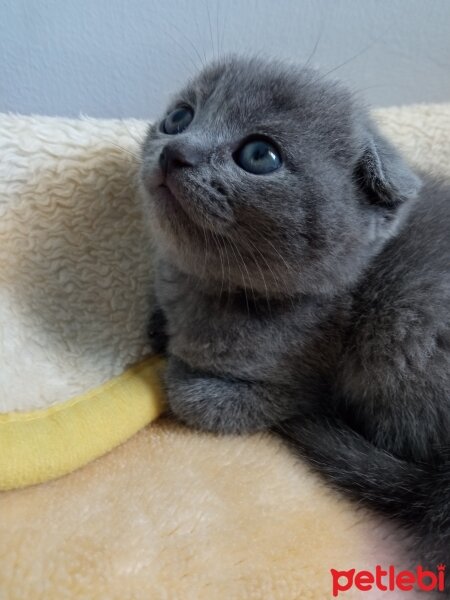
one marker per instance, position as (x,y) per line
(120,58)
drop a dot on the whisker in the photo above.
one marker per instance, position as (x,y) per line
(127,151)
(224,23)
(261,272)
(216,241)
(202,47)
(191,44)
(289,269)
(229,272)
(248,275)
(267,241)
(210,29)
(222,245)
(246,270)
(219,48)
(316,45)
(206,251)
(191,67)
(138,141)
(356,55)
(244,286)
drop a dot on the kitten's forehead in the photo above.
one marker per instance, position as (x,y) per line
(254,89)
(248,85)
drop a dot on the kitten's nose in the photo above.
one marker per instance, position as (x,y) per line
(177,156)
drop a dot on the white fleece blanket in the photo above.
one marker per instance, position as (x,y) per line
(171,514)
(75,267)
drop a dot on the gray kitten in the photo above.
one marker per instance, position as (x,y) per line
(304,277)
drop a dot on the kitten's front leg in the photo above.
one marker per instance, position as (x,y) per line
(224,404)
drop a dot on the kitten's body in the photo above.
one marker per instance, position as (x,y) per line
(379,349)
(314,301)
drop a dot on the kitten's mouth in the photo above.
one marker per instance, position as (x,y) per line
(180,203)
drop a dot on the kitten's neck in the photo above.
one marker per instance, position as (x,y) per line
(222,296)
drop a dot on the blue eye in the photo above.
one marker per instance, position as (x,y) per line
(258,157)
(177,120)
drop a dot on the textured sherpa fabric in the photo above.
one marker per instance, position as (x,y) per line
(172,514)
(75,270)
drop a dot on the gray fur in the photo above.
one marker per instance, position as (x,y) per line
(316,294)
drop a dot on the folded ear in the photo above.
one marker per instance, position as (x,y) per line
(383,174)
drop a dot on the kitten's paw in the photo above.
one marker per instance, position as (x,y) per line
(221,404)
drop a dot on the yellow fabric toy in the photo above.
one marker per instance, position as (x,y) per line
(43,444)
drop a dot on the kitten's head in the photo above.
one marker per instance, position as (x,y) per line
(269,177)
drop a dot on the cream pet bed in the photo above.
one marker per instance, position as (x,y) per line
(170,514)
